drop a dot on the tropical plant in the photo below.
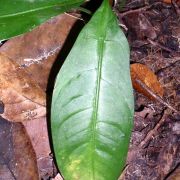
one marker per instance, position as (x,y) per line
(92,105)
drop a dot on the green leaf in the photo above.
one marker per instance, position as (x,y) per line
(92,105)
(19,16)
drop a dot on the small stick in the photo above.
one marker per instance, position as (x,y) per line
(73,16)
(153,131)
(138,10)
(159,45)
(158,98)
(134,11)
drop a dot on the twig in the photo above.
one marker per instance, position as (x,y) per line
(154,130)
(137,10)
(73,16)
(161,46)
(158,98)
(171,64)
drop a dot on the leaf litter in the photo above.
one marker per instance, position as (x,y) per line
(153,152)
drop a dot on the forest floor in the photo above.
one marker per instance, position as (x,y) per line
(29,62)
(153,31)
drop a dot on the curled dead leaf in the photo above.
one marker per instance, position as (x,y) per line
(142,73)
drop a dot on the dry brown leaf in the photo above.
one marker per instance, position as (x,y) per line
(36,51)
(22,97)
(142,73)
(12,76)
(17,157)
(25,63)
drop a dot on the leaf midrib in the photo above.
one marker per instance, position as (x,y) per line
(61,5)
(101,44)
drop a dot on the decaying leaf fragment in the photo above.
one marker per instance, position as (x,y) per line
(142,73)
(17,157)
(23,99)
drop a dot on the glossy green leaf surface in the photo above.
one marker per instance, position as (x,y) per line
(19,16)
(92,105)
